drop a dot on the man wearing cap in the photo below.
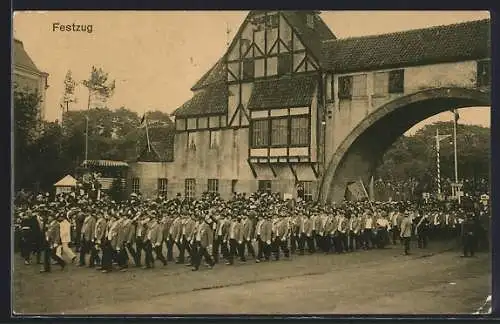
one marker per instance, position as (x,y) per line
(234,236)
(203,243)
(37,232)
(99,239)
(281,237)
(351,235)
(140,236)
(341,233)
(266,236)
(258,238)
(182,237)
(123,236)
(176,234)
(422,231)
(50,244)
(65,232)
(26,236)
(130,236)
(246,237)
(87,236)
(154,239)
(221,231)
(110,245)
(317,222)
(405,232)
(294,231)
(328,228)
(368,225)
(167,238)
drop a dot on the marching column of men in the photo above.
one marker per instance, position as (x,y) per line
(118,234)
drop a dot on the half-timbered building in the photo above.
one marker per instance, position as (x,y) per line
(258,118)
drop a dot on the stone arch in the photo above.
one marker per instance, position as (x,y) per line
(361,151)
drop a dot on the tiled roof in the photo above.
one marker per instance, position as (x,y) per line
(469,40)
(312,38)
(287,91)
(210,100)
(162,145)
(21,57)
(217,73)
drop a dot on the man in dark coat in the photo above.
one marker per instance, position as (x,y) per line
(469,235)
(36,236)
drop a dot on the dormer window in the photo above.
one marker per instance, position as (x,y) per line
(310,21)
(272,21)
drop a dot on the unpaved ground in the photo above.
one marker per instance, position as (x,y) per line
(379,281)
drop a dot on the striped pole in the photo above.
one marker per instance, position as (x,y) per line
(438,164)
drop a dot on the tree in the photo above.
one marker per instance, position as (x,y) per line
(26,131)
(98,85)
(69,91)
(415,156)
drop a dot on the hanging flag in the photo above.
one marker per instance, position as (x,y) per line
(456,115)
(143,121)
(371,189)
(356,191)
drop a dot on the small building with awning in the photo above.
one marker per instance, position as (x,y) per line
(66,184)
(107,171)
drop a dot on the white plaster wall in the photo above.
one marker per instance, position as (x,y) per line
(348,114)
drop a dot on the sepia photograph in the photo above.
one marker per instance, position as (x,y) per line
(265,162)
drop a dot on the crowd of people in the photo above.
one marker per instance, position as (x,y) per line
(108,235)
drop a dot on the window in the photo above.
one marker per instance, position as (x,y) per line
(359,85)
(310,21)
(396,81)
(162,187)
(304,190)
(248,69)
(214,139)
(265,185)
(483,73)
(234,182)
(136,185)
(284,63)
(272,66)
(279,132)
(213,185)
(272,21)
(191,141)
(345,87)
(189,188)
(380,83)
(191,123)
(260,133)
(329,87)
(299,131)
(259,68)
(181,124)
(213,122)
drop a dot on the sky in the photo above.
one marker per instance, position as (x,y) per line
(157,56)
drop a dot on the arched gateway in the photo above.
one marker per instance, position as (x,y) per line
(360,152)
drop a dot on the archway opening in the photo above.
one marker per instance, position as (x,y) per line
(362,151)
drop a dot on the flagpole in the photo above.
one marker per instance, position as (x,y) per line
(455,119)
(147,132)
(455,144)
(437,162)
(366,193)
(86,138)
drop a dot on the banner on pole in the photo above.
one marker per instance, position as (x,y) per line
(356,191)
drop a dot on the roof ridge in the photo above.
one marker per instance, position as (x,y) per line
(406,31)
